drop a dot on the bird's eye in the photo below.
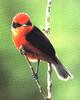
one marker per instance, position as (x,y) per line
(15,25)
(29,23)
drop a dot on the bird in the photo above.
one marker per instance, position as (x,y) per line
(35,45)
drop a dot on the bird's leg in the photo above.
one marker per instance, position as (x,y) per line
(36,78)
(37,68)
(34,74)
(22,50)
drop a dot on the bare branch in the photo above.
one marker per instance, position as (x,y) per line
(36,79)
(49,82)
(47,20)
(47,30)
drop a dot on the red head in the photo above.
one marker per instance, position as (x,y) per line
(21,18)
(20,23)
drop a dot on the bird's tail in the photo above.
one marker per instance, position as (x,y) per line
(61,71)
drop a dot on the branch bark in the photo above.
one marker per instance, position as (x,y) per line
(49,81)
(36,79)
(47,20)
(47,31)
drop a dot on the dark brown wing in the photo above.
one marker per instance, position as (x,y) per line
(40,41)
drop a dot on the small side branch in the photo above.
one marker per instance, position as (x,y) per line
(36,79)
(40,88)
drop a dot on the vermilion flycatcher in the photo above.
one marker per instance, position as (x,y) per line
(36,46)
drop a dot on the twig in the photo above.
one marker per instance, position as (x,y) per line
(36,80)
(40,88)
(47,30)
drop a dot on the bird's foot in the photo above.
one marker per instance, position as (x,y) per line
(35,76)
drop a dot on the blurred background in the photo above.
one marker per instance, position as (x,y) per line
(16,82)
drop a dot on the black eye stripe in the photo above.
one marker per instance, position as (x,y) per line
(28,23)
(15,25)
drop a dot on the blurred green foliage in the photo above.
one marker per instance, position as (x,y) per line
(15,78)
